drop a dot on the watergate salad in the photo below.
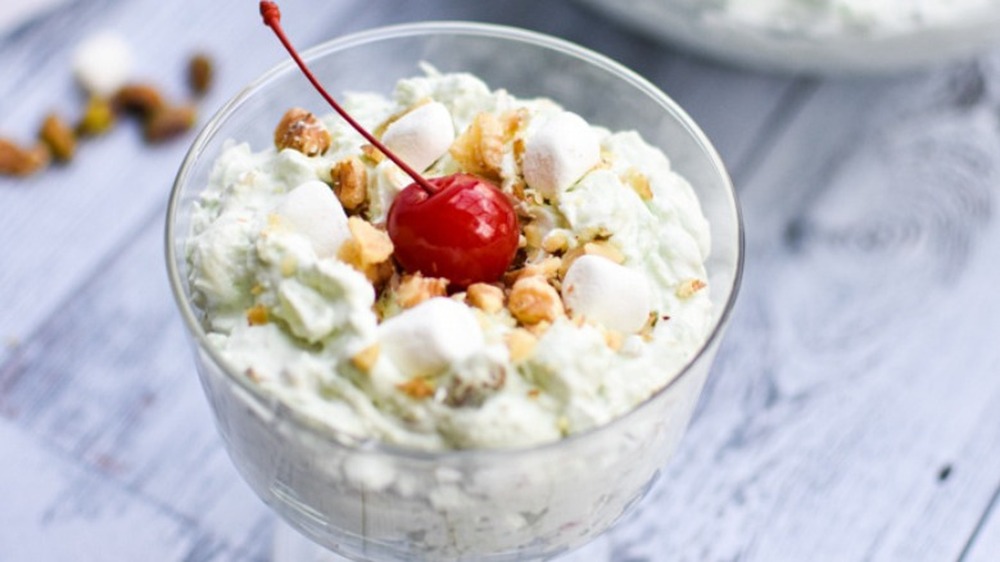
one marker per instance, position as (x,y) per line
(303,292)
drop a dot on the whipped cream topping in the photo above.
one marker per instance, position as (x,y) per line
(608,227)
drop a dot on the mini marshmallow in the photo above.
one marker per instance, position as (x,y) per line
(312,209)
(603,291)
(559,154)
(421,136)
(103,63)
(431,336)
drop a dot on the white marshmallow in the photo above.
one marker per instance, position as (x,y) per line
(312,209)
(421,136)
(559,154)
(103,63)
(605,292)
(431,336)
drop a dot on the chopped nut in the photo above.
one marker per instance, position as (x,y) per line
(374,245)
(18,161)
(350,182)
(479,150)
(521,344)
(371,153)
(688,288)
(486,297)
(614,339)
(548,268)
(533,235)
(533,300)
(462,391)
(199,74)
(289,265)
(59,137)
(513,122)
(555,242)
(418,387)
(604,249)
(415,289)
(368,250)
(568,258)
(639,182)
(518,148)
(98,117)
(539,329)
(257,315)
(534,393)
(365,359)
(168,122)
(519,189)
(302,131)
(647,329)
(139,99)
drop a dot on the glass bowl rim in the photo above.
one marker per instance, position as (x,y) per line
(475,29)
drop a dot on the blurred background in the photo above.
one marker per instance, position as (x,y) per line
(854,410)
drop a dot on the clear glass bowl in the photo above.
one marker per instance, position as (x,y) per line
(814,36)
(371,501)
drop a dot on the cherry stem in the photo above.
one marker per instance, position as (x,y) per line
(272,18)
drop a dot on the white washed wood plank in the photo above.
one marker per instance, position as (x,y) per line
(862,359)
(986,545)
(73,514)
(111,384)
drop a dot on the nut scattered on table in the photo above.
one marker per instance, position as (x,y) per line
(168,122)
(200,74)
(59,137)
(98,117)
(16,160)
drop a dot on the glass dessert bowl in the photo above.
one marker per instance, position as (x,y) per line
(370,500)
(822,37)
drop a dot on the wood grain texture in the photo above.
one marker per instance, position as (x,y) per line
(854,412)
(862,363)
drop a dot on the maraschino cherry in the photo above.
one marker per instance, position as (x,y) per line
(459,227)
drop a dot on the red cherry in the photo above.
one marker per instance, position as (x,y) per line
(459,227)
(466,231)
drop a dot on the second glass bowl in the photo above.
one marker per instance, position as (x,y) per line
(814,37)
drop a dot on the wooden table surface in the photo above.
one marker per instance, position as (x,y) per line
(853,413)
